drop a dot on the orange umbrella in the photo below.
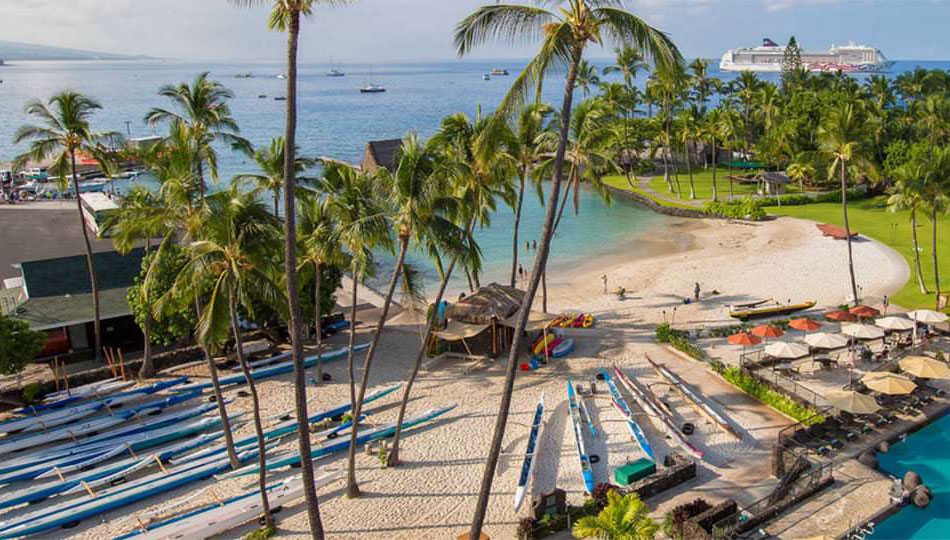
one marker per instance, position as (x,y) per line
(840,316)
(805,325)
(744,339)
(863,311)
(767,331)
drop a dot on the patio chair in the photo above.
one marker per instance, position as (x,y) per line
(853,423)
(833,426)
(802,438)
(821,433)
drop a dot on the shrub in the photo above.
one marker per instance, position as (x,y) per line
(679,340)
(261,534)
(527,528)
(764,393)
(676,518)
(18,345)
(600,493)
(745,208)
(30,392)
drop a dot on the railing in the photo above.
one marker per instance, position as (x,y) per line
(752,363)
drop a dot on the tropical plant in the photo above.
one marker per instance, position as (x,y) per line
(18,344)
(527,150)
(565,35)
(587,77)
(65,132)
(270,161)
(625,517)
(908,194)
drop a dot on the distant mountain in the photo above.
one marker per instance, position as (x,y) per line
(12,51)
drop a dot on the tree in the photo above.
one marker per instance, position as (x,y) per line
(800,170)
(64,133)
(842,139)
(702,84)
(791,63)
(908,194)
(178,319)
(18,344)
(202,108)
(231,253)
(625,517)
(587,77)
(688,131)
(527,150)
(709,131)
(937,195)
(565,35)
(270,160)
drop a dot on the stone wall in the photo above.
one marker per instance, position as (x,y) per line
(701,527)
(664,479)
(659,208)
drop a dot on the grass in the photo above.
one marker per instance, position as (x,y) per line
(702,180)
(620,182)
(762,392)
(871,218)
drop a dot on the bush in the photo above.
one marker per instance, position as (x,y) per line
(676,518)
(527,528)
(18,345)
(679,340)
(745,208)
(261,534)
(30,392)
(798,199)
(764,393)
(600,493)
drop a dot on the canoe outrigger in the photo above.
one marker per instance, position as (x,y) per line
(744,313)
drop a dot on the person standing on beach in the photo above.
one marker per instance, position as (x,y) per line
(696,292)
(520,272)
(527,246)
(604,277)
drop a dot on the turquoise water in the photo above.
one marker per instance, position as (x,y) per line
(927,453)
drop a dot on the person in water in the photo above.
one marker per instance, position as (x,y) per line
(534,244)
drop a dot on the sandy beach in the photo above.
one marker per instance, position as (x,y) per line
(432,494)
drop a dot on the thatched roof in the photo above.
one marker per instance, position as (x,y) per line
(774,177)
(491,300)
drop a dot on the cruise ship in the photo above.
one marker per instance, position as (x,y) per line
(847,58)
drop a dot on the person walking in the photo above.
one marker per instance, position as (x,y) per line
(604,277)
(696,292)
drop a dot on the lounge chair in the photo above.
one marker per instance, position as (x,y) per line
(802,438)
(821,433)
(839,429)
(853,423)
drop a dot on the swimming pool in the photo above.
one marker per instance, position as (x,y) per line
(926,452)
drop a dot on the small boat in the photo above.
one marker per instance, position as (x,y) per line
(664,420)
(499,71)
(218,518)
(334,72)
(372,89)
(636,432)
(246,75)
(486,77)
(262,96)
(586,470)
(763,311)
(528,465)
(280,98)
(59,399)
(564,348)
(704,408)
(281,76)
(833,231)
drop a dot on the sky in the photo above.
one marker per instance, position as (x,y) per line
(421,30)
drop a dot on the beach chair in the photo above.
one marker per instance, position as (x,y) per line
(802,438)
(854,423)
(839,429)
(821,433)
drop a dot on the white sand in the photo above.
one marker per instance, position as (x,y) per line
(432,495)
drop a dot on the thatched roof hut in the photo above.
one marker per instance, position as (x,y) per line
(492,300)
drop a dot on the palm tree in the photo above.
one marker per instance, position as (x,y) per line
(270,160)
(702,84)
(66,131)
(625,517)
(416,210)
(747,86)
(709,131)
(203,108)
(232,252)
(526,148)
(140,218)
(908,194)
(800,170)
(937,194)
(628,61)
(587,77)
(881,89)
(727,132)
(841,138)
(688,130)
(565,36)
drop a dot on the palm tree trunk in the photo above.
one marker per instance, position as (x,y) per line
(394,452)
(148,369)
(219,399)
(90,266)
(276,203)
(847,232)
(349,356)
(715,192)
(689,170)
(567,191)
(731,159)
(666,170)
(256,404)
(501,421)
(918,269)
(933,222)
(317,316)
(352,489)
(290,271)
(517,224)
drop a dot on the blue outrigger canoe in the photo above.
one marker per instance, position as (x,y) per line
(586,470)
(636,432)
(528,465)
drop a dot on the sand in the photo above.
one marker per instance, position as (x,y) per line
(432,494)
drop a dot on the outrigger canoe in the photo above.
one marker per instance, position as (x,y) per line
(635,430)
(704,408)
(744,313)
(529,454)
(586,470)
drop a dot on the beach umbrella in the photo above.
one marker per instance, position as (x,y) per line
(862,331)
(894,323)
(840,316)
(927,316)
(745,339)
(784,349)
(767,331)
(888,383)
(865,312)
(924,367)
(852,402)
(824,340)
(805,325)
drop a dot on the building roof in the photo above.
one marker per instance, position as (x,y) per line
(58,311)
(384,153)
(492,300)
(64,276)
(774,177)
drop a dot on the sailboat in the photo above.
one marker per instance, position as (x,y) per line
(335,71)
(372,88)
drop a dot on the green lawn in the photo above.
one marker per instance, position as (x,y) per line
(702,180)
(620,182)
(871,218)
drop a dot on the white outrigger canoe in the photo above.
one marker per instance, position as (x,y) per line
(694,399)
(586,470)
(663,420)
(530,453)
(636,432)
(219,518)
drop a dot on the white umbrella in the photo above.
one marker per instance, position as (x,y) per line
(824,340)
(784,349)
(927,316)
(862,331)
(894,323)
